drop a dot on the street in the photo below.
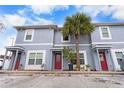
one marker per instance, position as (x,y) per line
(61,81)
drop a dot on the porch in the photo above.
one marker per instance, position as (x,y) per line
(103,57)
(16,52)
(57,58)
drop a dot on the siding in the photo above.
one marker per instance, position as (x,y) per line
(88,54)
(83,39)
(39,36)
(117,33)
(48,56)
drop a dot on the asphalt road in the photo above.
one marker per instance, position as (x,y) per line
(61,81)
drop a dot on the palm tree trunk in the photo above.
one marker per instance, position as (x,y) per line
(77,52)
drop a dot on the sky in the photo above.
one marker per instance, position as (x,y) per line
(17,15)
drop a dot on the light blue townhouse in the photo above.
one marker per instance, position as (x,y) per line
(40,47)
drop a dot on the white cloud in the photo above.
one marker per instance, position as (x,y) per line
(116,12)
(24,11)
(47,9)
(107,10)
(95,10)
(60,25)
(21,12)
(14,19)
(92,10)
(42,21)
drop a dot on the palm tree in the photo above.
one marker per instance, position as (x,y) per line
(77,25)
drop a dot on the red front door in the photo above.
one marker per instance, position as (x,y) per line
(103,61)
(57,61)
(17,65)
(17,62)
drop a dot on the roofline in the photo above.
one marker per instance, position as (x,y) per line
(37,27)
(59,28)
(109,24)
(15,47)
(104,24)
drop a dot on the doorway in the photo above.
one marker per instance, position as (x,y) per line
(103,61)
(58,61)
(17,65)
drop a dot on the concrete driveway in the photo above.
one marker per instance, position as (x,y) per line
(61,81)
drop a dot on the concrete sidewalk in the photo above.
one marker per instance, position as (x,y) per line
(62,72)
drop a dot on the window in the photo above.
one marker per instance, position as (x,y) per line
(39,58)
(118,54)
(119,57)
(29,35)
(31,59)
(105,32)
(82,59)
(66,39)
(35,58)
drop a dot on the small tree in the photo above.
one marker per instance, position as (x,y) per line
(77,25)
(69,54)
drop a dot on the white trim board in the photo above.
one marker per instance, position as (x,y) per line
(107,42)
(34,44)
(71,44)
(52,44)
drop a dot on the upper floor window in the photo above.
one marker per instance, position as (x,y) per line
(29,35)
(105,32)
(65,39)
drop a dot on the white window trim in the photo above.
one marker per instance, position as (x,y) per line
(110,37)
(63,40)
(117,66)
(27,66)
(26,34)
(85,57)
